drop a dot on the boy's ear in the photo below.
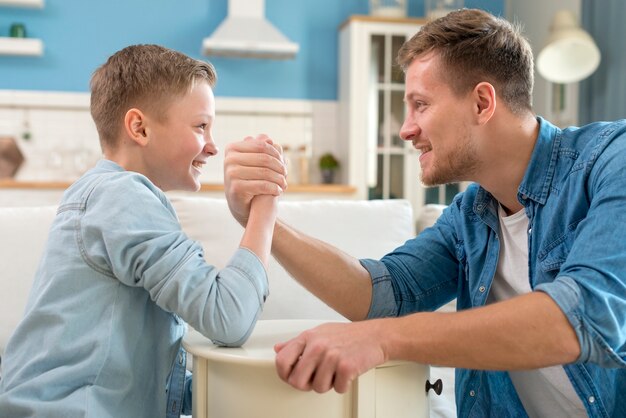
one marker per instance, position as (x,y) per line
(485,102)
(135,126)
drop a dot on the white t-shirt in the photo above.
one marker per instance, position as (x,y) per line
(544,392)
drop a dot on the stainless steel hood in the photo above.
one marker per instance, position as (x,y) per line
(245,33)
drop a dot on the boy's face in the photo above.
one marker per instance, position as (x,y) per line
(181,143)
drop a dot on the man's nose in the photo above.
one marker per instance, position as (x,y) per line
(409,129)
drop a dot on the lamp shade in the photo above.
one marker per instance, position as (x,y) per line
(570,54)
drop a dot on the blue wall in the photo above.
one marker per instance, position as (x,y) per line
(79,35)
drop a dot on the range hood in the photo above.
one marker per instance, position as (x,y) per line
(245,33)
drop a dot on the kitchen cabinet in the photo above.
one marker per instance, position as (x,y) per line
(21,46)
(371,105)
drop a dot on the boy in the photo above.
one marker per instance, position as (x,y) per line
(103,326)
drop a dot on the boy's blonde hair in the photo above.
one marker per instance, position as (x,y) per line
(147,77)
(476,46)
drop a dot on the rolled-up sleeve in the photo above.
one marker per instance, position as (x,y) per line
(594,347)
(383,300)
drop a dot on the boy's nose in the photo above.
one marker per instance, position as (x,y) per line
(210,147)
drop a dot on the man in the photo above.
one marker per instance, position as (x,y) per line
(532,251)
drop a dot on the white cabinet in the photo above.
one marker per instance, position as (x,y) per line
(372,110)
(21,46)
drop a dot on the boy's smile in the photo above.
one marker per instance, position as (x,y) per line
(180,143)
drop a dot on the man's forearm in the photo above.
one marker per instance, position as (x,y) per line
(335,277)
(526,332)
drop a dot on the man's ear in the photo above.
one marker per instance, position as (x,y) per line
(484,95)
(135,126)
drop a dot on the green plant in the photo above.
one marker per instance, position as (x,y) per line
(328,162)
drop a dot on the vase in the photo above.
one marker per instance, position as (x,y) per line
(328,176)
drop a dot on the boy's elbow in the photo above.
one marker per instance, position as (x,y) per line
(235,331)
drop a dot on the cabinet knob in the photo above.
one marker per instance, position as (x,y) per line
(437,387)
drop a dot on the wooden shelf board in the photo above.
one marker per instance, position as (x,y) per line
(205,187)
(34,4)
(21,46)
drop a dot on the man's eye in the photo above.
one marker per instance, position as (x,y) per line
(419,105)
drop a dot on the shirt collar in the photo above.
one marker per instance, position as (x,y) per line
(108,165)
(540,172)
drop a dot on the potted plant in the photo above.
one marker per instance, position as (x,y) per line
(328,166)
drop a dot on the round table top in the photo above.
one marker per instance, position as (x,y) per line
(258,350)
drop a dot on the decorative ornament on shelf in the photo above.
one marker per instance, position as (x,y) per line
(328,166)
(11,158)
(439,8)
(388,8)
(17,30)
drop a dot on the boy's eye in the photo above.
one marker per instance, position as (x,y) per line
(202,126)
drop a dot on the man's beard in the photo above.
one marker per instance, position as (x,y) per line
(457,166)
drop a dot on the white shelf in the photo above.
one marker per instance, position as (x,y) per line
(21,46)
(35,4)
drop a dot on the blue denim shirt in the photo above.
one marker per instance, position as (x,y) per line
(573,192)
(101,335)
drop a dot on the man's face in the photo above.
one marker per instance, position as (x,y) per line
(181,143)
(438,124)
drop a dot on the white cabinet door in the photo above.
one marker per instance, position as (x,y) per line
(371,92)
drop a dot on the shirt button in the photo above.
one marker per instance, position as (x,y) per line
(530,230)
(472,393)
(592,399)
(524,197)
(481,289)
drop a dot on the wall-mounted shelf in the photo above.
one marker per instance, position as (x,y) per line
(35,4)
(21,46)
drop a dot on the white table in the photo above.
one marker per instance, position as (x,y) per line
(242,382)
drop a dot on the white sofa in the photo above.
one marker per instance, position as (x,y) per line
(361,228)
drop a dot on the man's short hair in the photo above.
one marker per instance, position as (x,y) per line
(148,77)
(476,46)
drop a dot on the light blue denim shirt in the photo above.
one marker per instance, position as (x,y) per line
(101,335)
(574,194)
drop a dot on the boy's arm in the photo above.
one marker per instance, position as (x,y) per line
(259,229)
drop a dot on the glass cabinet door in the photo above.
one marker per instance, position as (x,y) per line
(390,159)
(386,150)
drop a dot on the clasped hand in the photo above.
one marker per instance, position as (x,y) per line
(330,356)
(254,166)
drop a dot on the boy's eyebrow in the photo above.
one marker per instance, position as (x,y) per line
(207,115)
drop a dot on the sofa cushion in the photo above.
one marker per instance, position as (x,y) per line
(23,233)
(363,229)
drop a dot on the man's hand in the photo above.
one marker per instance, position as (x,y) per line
(330,356)
(252,167)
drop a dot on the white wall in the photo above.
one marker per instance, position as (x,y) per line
(64,142)
(536,17)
